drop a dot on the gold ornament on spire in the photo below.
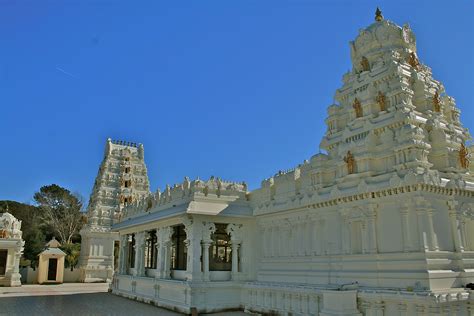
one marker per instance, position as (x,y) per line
(357,107)
(378,15)
(464,157)
(436,102)
(381,101)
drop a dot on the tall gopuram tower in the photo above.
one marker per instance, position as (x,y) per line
(122,179)
(382,223)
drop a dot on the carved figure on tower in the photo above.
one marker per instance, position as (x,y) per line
(436,102)
(350,162)
(413,60)
(357,107)
(464,157)
(381,101)
(364,63)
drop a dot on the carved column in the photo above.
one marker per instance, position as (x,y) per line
(274,239)
(140,254)
(406,238)
(264,241)
(123,255)
(309,236)
(207,230)
(425,216)
(345,232)
(193,243)
(235,232)
(455,226)
(372,229)
(166,234)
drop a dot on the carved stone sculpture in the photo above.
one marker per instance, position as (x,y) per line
(364,63)
(350,162)
(413,60)
(464,157)
(381,101)
(357,107)
(436,102)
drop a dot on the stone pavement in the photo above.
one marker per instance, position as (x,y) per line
(75,299)
(53,289)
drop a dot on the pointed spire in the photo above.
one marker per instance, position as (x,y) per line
(378,15)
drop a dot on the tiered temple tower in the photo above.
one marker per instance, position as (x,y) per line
(392,116)
(122,179)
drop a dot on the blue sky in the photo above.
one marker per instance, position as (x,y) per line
(235,89)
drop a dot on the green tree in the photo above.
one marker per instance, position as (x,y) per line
(72,254)
(60,211)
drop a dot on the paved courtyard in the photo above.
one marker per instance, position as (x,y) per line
(74,299)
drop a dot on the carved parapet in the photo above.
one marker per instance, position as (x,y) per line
(10,227)
(235,232)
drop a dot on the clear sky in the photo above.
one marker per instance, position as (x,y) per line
(235,89)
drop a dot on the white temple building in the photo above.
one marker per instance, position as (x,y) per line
(379,224)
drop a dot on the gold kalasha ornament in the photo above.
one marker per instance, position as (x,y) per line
(378,15)
(464,157)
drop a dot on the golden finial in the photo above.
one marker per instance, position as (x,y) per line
(378,15)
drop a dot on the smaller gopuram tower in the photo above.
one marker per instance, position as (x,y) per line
(122,179)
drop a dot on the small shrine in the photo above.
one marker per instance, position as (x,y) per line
(11,249)
(51,263)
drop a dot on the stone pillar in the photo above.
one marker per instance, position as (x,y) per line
(422,235)
(264,241)
(207,230)
(274,238)
(309,237)
(140,253)
(406,238)
(433,239)
(123,254)
(426,225)
(235,258)
(164,256)
(205,260)
(372,229)
(193,243)
(464,234)
(345,232)
(455,226)
(235,232)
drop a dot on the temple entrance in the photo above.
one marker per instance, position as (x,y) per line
(52,269)
(3,261)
